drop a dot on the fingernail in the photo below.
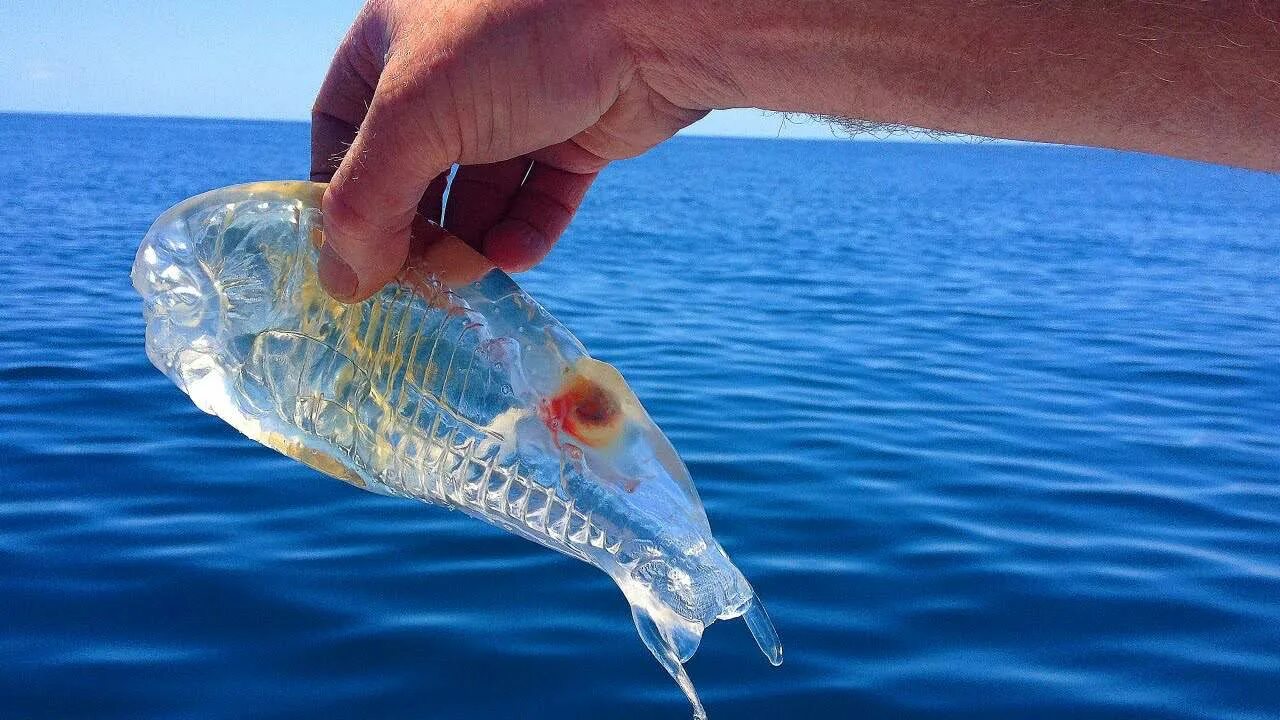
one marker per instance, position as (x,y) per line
(336,276)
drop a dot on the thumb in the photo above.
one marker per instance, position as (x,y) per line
(370,204)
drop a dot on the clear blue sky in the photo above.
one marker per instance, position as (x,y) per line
(207,58)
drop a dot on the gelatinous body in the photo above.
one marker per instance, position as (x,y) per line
(471,396)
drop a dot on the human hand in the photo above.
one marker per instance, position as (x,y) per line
(530,97)
(533,97)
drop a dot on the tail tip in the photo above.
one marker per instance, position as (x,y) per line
(762,630)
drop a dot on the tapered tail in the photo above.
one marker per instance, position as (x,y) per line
(762,630)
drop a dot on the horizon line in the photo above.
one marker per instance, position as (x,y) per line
(922,136)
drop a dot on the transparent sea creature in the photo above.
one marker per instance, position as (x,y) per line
(454,388)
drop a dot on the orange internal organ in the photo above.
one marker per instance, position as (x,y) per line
(586,411)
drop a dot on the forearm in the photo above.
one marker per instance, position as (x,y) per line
(1195,79)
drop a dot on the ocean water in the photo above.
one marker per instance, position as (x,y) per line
(993,430)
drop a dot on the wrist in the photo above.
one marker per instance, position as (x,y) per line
(680,50)
(743,53)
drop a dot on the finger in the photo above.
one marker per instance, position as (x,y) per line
(480,196)
(344,96)
(570,156)
(373,197)
(538,215)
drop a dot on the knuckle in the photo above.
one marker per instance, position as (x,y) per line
(604,140)
(398,95)
(342,221)
(421,122)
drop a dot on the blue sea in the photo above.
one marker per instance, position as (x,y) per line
(994,431)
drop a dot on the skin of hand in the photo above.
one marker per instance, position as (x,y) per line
(531,98)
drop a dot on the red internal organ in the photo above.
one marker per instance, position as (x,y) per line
(585,411)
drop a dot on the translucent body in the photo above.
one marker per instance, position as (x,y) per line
(472,397)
